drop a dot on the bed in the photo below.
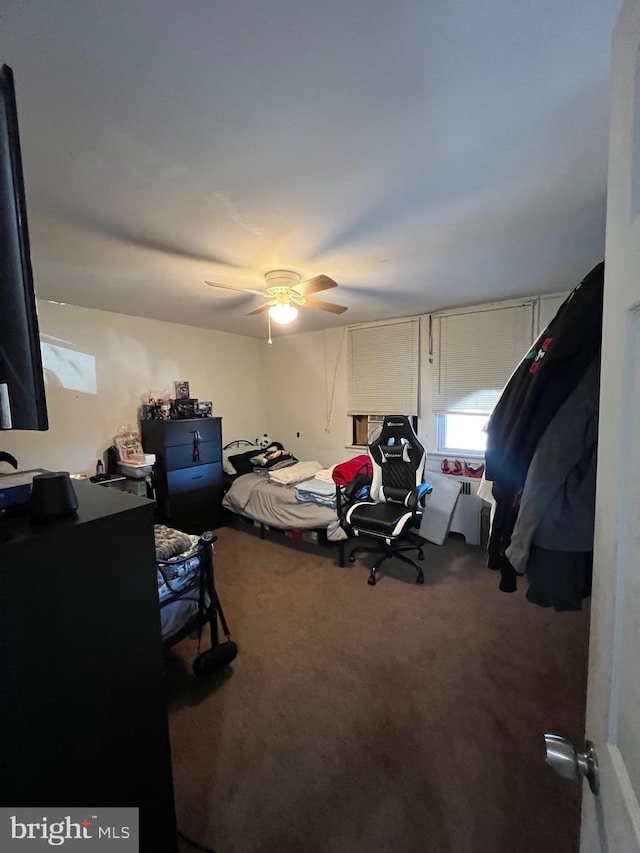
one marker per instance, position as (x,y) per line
(278,505)
(289,495)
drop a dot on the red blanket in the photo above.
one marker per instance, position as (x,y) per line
(344,473)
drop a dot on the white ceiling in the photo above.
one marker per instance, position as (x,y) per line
(423,153)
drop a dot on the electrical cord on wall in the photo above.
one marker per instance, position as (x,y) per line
(329,395)
(194,844)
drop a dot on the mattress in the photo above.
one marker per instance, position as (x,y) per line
(256,497)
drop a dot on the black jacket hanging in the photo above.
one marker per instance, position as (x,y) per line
(532,397)
(552,540)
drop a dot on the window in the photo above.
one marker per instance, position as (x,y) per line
(458,433)
(366,428)
(474,353)
(384,368)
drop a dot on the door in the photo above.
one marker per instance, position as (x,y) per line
(611,821)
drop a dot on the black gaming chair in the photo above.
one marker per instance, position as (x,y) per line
(396,498)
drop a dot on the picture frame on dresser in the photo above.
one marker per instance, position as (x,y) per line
(181,389)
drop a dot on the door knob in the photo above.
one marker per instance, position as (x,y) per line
(571,764)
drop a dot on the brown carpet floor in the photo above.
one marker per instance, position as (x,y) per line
(361,719)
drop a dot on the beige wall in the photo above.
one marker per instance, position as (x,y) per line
(127,357)
(307,378)
(298,384)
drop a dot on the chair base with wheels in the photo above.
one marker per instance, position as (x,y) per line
(390,549)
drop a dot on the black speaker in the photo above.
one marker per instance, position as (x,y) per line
(52,496)
(214,658)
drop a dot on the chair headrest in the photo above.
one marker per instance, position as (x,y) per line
(397,434)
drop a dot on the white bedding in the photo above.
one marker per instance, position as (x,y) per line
(317,491)
(294,473)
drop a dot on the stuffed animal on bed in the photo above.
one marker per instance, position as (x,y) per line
(263,441)
(273,454)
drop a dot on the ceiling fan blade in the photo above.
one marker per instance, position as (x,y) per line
(315,285)
(325,306)
(236,289)
(260,309)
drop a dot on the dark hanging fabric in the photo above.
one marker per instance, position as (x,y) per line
(536,390)
(559,579)
(552,539)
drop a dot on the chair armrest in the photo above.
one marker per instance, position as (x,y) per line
(416,498)
(354,492)
(424,490)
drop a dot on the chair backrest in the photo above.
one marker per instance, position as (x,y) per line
(398,460)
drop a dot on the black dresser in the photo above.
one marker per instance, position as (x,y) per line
(83,714)
(187,471)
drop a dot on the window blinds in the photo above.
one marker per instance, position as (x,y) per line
(384,368)
(475,353)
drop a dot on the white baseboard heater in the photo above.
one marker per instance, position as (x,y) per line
(467,516)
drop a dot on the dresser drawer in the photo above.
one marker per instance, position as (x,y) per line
(181,432)
(156,435)
(181,455)
(197,477)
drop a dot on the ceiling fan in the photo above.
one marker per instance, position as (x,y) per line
(285,293)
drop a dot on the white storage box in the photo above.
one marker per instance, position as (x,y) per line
(130,469)
(141,458)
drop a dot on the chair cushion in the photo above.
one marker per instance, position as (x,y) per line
(381,519)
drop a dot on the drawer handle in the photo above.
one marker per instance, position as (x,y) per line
(195,456)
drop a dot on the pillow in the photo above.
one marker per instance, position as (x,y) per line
(233,449)
(170,543)
(241,462)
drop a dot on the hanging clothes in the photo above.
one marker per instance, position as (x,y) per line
(559,579)
(538,388)
(552,539)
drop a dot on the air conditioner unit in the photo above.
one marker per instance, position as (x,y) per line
(374,427)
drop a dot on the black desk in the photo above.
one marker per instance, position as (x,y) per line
(83,717)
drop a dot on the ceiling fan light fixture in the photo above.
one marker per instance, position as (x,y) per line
(283,313)
(286,293)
